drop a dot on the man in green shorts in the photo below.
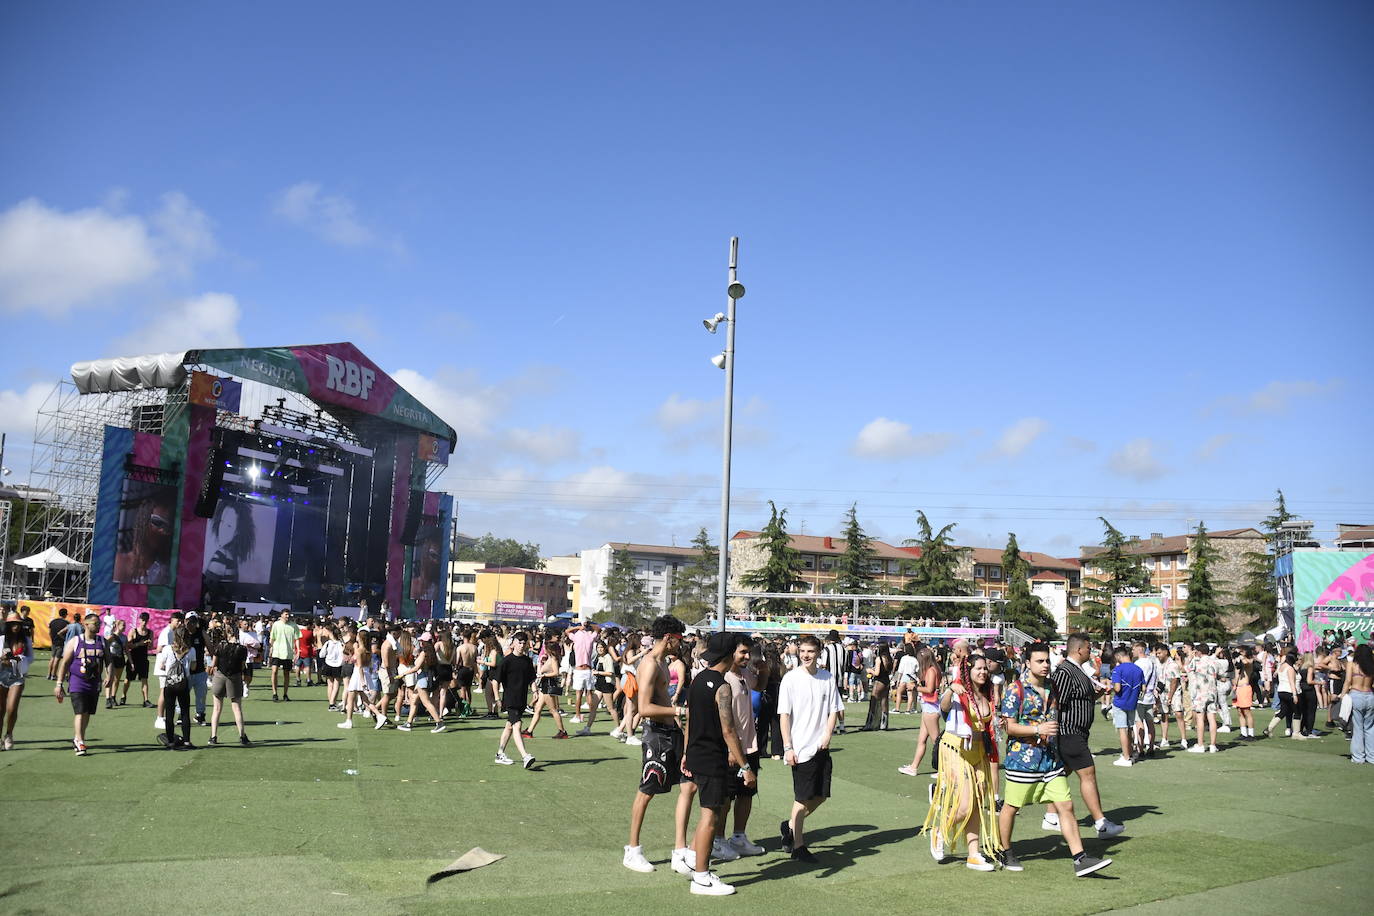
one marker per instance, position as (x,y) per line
(1035,774)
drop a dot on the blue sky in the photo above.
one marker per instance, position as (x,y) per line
(1018,265)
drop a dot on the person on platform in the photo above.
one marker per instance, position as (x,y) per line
(83,661)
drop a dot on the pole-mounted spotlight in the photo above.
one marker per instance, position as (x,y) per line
(718,360)
(735,290)
(712,323)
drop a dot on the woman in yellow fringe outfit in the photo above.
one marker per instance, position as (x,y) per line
(963,802)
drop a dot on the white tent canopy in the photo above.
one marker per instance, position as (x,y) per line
(127,373)
(50,559)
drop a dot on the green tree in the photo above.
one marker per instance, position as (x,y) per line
(626,598)
(495,551)
(1204,614)
(853,568)
(936,570)
(694,589)
(1258,598)
(781,571)
(1117,572)
(1022,609)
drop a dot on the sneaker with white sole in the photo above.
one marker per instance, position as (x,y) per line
(584,731)
(504,760)
(439,727)
(1106,829)
(1007,859)
(712,886)
(937,847)
(527,761)
(740,844)
(976,862)
(1223,729)
(684,861)
(907,770)
(633,741)
(634,860)
(403,727)
(1211,748)
(615,732)
(1050,822)
(1163,745)
(347,723)
(721,851)
(159,724)
(1123,762)
(1086,865)
(379,724)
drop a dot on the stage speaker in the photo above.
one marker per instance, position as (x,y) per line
(213,478)
(414,511)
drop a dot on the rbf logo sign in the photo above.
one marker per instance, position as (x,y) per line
(1140,612)
(347,377)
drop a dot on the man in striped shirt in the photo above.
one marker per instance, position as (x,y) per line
(832,659)
(1076,695)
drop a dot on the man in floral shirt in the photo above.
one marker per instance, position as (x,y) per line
(1201,670)
(1035,774)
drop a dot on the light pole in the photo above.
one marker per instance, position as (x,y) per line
(734,290)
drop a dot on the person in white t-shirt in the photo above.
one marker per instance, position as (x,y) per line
(906,681)
(1145,710)
(808,710)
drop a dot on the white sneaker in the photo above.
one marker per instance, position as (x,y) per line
(740,844)
(347,723)
(527,761)
(1224,728)
(504,760)
(634,860)
(583,732)
(633,741)
(1288,732)
(1050,822)
(1197,749)
(159,723)
(937,847)
(684,861)
(722,851)
(712,886)
(907,770)
(381,723)
(1123,762)
(1163,745)
(615,733)
(1211,748)
(577,719)
(367,714)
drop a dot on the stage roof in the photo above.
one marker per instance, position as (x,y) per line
(335,374)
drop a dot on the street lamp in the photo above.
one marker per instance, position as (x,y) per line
(734,290)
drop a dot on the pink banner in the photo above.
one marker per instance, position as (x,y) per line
(341,374)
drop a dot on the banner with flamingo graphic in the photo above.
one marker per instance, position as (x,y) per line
(1333,590)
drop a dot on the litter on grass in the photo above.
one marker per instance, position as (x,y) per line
(475,857)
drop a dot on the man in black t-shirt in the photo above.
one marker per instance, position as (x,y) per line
(195,638)
(228,666)
(515,673)
(56,627)
(714,750)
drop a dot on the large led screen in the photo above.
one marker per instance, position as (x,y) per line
(143,549)
(239,542)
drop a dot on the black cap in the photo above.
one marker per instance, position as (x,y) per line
(719,646)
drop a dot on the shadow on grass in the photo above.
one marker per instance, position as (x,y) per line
(832,858)
(545,764)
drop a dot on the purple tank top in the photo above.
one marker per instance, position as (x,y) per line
(87,661)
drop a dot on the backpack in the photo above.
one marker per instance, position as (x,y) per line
(176,672)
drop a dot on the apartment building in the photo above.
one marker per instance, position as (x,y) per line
(1167,561)
(570,566)
(983,567)
(462,587)
(496,584)
(819,556)
(657,566)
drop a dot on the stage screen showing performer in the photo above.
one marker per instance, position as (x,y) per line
(429,547)
(238,543)
(143,555)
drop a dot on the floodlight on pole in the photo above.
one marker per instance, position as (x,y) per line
(726,360)
(718,360)
(710,324)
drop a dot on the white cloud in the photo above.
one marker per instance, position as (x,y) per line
(1079,444)
(204,321)
(51,261)
(1137,460)
(1019,436)
(332,217)
(458,397)
(19,411)
(1276,397)
(887,439)
(677,412)
(1214,444)
(547,444)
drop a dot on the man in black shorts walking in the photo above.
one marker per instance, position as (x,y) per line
(661,770)
(1076,695)
(808,711)
(714,752)
(515,674)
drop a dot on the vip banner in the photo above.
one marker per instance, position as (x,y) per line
(1140,612)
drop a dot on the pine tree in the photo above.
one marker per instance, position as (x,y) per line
(1204,615)
(853,572)
(627,600)
(936,571)
(694,595)
(1118,572)
(1022,609)
(781,571)
(1258,598)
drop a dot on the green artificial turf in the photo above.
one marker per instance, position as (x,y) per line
(1269,826)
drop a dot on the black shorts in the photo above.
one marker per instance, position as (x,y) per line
(464,676)
(605,683)
(812,778)
(85,703)
(1073,750)
(662,759)
(737,787)
(513,716)
(138,668)
(443,674)
(282,663)
(713,791)
(333,672)
(550,687)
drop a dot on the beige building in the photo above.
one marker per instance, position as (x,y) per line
(571,567)
(1167,561)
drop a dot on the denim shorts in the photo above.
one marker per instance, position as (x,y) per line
(1123,718)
